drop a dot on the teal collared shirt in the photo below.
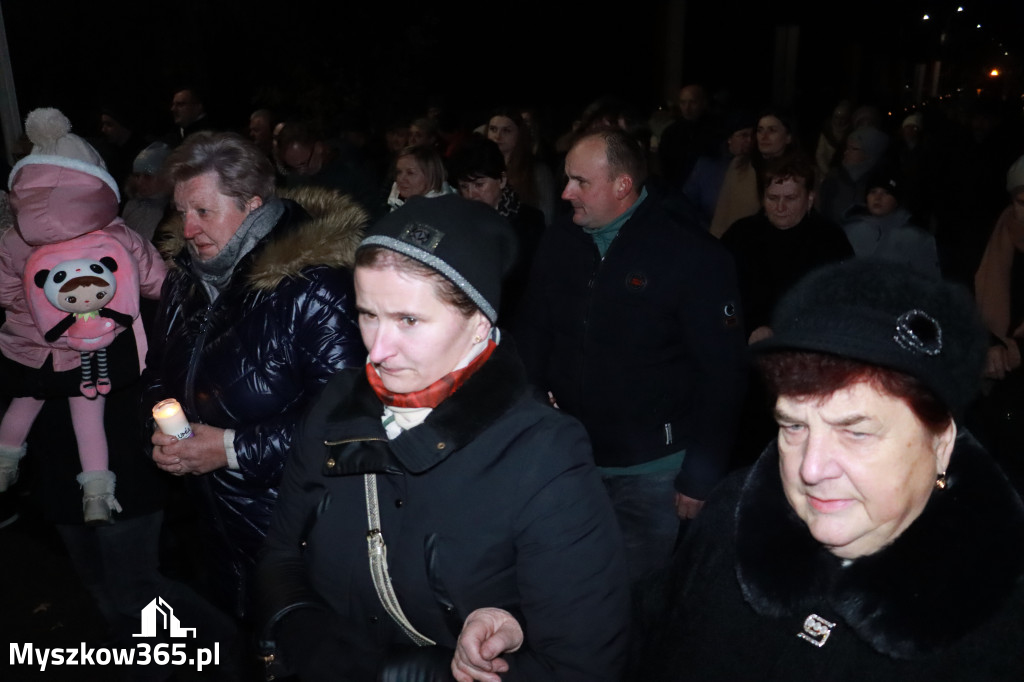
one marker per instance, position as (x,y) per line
(604,236)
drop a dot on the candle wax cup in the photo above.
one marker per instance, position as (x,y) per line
(171,420)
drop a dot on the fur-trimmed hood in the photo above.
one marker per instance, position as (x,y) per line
(951,571)
(329,237)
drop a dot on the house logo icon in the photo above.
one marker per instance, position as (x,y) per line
(158,615)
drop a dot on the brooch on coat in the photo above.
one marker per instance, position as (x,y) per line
(816,630)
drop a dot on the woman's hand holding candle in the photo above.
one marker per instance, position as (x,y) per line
(200,454)
(171,419)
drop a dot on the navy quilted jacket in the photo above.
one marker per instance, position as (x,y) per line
(252,361)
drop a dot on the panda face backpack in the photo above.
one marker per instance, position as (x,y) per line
(83,292)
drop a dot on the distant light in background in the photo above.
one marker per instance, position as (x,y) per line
(994,73)
(925,18)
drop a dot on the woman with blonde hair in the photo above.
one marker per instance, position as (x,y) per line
(419,171)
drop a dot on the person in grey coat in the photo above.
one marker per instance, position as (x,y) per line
(882,228)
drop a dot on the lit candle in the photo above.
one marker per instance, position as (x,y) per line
(171,419)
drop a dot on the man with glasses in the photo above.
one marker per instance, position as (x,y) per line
(312,159)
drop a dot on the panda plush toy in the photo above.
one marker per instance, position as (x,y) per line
(83,288)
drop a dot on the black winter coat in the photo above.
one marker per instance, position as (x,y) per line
(943,602)
(769,261)
(253,360)
(644,346)
(492,501)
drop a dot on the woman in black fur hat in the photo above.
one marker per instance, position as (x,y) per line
(875,539)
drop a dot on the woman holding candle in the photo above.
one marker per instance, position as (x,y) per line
(484,500)
(256,314)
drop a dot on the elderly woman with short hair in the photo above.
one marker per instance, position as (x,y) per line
(875,540)
(256,314)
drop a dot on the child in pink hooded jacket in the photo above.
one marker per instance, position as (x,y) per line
(60,193)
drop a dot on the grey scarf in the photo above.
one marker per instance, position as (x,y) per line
(216,272)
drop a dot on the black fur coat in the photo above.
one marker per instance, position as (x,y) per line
(755,597)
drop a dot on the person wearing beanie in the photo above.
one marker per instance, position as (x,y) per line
(149,191)
(874,538)
(911,128)
(844,186)
(487,519)
(882,228)
(67,234)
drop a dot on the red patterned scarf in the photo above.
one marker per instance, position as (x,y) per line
(435,393)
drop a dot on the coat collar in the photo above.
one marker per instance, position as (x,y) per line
(950,571)
(457,421)
(319,227)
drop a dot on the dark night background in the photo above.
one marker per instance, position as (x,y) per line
(386,58)
(378,59)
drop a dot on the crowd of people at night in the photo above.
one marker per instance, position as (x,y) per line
(701,393)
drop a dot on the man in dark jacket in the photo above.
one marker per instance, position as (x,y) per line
(315,160)
(773,249)
(694,134)
(632,326)
(189,114)
(783,242)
